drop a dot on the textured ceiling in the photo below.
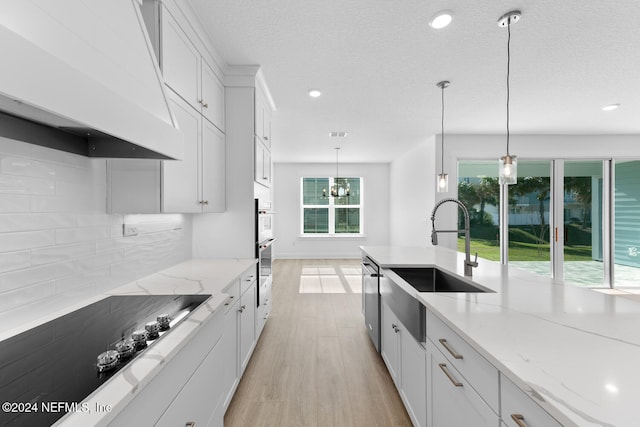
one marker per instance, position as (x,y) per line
(377,63)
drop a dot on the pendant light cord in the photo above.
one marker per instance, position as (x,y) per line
(508,72)
(442,138)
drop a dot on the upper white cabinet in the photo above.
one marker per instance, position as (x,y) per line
(195,184)
(262,171)
(262,118)
(188,73)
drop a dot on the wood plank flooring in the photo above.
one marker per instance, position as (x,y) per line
(314,364)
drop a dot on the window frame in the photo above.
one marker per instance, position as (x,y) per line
(331,206)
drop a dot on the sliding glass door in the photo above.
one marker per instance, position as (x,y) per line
(583,222)
(626,251)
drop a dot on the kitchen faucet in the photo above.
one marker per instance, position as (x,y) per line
(468,264)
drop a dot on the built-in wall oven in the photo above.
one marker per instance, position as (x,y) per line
(371,299)
(264,242)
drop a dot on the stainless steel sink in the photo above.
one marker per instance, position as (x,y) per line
(429,279)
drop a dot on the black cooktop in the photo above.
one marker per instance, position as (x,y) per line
(47,371)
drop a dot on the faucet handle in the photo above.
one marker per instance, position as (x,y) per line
(475,261)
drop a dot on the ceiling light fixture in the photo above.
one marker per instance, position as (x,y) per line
(610,107)
(441,19)
(443,178)
(341,186)
(314,93)
(508,164)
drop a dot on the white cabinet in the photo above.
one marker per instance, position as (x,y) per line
(453,401)
(199,397)
(264,307)
(262,171)
(406,361)
(195,184)
(389,341)
(517,407)
(229,345)
(247,322)
(188,73)
(178,378)
(262,118)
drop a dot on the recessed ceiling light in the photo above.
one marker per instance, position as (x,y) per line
(610,107)
(441,19)
(314,93)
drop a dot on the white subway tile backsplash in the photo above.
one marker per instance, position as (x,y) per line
(23,166)
(10,242)
(81,234)
(14,203)
(58,246)
(15,184)
(62,253)
(27,222)
(98,261)
(14,261)
(26,294)
(30,276)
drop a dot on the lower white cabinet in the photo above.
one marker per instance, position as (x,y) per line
(198,399)
(229,343)
(517,407)
(264,307)
(151,403)
(406,361)
(453,401)
(247,322)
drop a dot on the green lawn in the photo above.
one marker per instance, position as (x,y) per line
(523,245)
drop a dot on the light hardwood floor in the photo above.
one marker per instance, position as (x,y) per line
(314,364)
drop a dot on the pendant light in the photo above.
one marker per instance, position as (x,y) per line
(508,164)
(341,186)
(442,182)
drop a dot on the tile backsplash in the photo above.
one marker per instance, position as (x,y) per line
(58,245)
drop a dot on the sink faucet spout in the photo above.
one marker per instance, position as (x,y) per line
(468,264)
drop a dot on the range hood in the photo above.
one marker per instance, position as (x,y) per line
(82,77)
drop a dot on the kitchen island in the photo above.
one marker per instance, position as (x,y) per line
(572,351)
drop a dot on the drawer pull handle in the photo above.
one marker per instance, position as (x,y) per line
(190,424)
(519,419)
(446,345)
(448,374)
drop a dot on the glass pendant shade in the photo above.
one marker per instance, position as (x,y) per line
(508,170)
(443,183)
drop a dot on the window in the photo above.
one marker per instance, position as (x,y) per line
(323,214)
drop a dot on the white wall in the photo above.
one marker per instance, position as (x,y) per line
(412,185)
(286,203)
(58,245)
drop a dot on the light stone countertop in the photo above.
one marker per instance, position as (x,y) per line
(197,276)
(573,350)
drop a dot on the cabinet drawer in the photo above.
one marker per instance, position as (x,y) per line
(515,403)
(453,401)
(247,278)
(480,374)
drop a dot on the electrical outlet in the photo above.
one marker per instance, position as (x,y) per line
(129,230)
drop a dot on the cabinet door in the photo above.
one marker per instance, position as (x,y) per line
(212,95)
(180,61)
(247,312)
(414,377)
(266,166)
(454,401)
(213,168)
(389,341)
(198,399)
(180,178)
(229,345)
(517,406)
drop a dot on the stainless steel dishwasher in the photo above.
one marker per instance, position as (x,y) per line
(371,299)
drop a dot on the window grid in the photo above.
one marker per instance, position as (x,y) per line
(319,210)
